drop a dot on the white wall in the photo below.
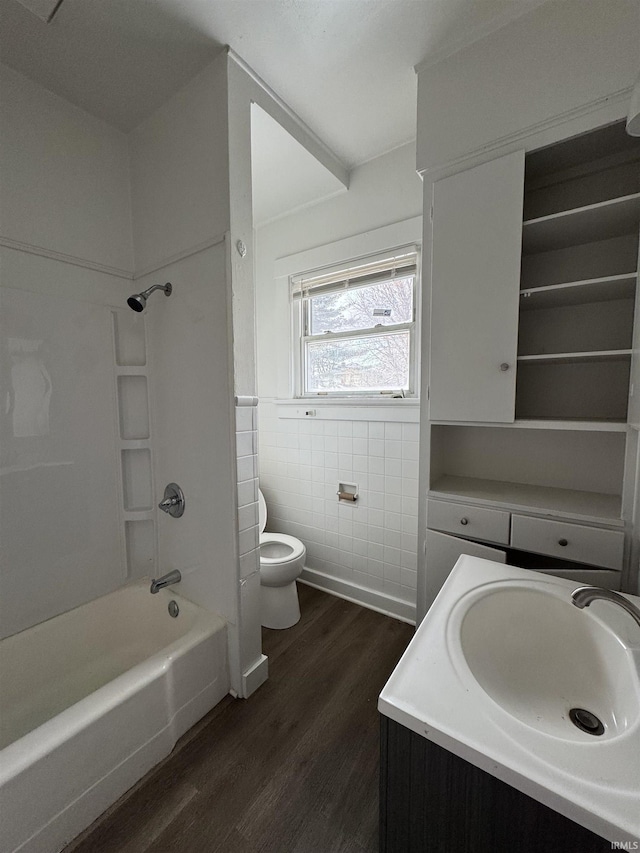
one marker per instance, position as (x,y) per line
(179,171)
(180,189)
(367,551)
(65,231)
(192,427)
(382,191)
(553,62)
(65,176)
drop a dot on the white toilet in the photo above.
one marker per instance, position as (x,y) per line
(281,562)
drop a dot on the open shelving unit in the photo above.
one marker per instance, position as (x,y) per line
(579,278)
(548,468)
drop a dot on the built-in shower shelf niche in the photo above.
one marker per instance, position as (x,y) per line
(136,480)
(133,407)
(139,514)
(140,540)
(130,339)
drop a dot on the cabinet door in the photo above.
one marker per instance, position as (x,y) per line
(475,291)
(442,554)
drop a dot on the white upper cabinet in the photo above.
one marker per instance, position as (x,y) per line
(475,282)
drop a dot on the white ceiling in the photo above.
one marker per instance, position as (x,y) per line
(344,66)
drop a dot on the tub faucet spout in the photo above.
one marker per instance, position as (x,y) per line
(165,580)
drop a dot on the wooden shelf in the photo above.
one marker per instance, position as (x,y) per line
(579,292)
(564,503)
(579,424)
(599,221)
(577,357)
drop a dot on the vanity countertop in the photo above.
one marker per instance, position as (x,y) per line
(593,780)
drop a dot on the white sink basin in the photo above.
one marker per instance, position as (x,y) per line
(537,656)
(492,673)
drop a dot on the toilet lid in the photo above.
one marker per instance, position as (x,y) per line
(262,512)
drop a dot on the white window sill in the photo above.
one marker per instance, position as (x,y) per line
(400,410)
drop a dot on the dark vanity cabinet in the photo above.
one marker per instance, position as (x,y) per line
(432,801)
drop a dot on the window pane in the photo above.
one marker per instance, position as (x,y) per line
(350,310)
(372,363)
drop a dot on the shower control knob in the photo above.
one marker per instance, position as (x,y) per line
(173,501)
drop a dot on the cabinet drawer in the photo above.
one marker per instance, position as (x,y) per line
(570,541)
(473,522)
(589,577)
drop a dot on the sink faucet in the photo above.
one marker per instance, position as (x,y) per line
(165,580)
(584,595)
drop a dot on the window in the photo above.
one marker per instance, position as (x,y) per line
(357,327)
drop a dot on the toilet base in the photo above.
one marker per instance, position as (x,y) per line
(279,606)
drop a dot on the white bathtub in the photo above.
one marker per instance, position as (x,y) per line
(93,699)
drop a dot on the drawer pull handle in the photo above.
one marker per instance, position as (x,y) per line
(562,542)
(464,521)
(504,366)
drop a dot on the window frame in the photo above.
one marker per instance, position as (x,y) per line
(300,307)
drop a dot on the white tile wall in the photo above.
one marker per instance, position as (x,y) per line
(252,661)
(372,543)
(247,466)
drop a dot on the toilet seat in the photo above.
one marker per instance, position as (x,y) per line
(296,547)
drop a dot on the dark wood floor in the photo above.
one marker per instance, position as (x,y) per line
(294,769)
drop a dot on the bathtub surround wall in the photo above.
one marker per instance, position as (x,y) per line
(364,551)
(180,203)
(65,260)
(69,185)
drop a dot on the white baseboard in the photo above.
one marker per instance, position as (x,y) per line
(372,599)
(256,675)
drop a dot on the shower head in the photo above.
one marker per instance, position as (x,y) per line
(138,302)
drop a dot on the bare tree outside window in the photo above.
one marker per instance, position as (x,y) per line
(375,361)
